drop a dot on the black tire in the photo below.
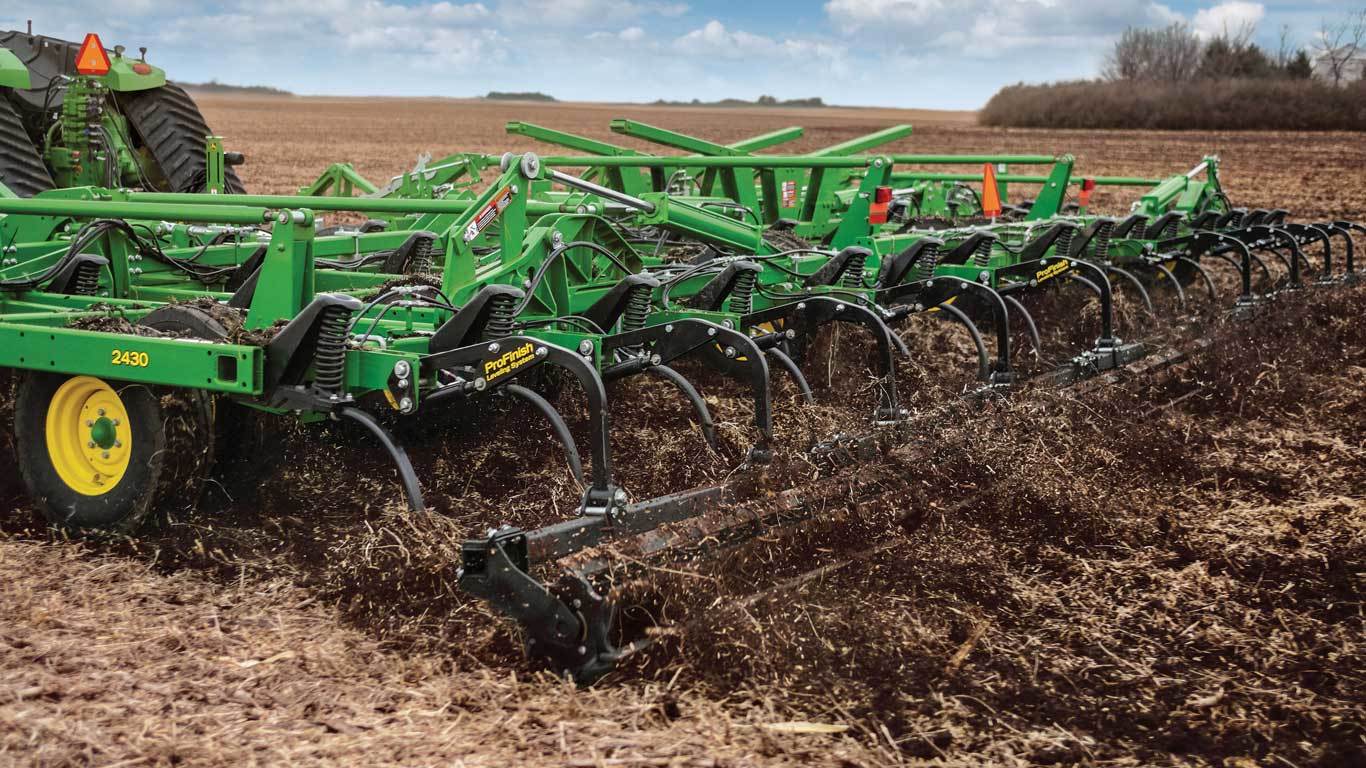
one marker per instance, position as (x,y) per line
(171,446)
(171,128)
(21,167)
(207,321)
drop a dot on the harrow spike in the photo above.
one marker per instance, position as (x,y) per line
(1136,283)
(689,391)
(1299,233)
(1341,229)
(412,489)
(1204,276)
(1017,307)
(1346,228)
(557,423)
(1176,285)
(983,356)
(602,496)
(688,335)
(790,365)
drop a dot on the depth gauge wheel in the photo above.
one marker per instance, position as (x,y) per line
(103,455)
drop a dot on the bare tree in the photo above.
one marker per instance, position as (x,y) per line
(1339,44)
(1285,48)
(1171,54)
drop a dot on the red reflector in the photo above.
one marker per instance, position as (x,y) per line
(883,195)
(142,69)
(1088,184)
(92,60)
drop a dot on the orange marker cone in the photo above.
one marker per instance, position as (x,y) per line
(991,194)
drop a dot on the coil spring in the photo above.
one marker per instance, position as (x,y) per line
(929,259)
(1169,230)
(329,357)
(1235,219)
(1063,245)
(1102,239)
(637,308)
(741,299)
(852,276)
(424,256)
(983,254)
(86,281)
(502,307)
(1140,229)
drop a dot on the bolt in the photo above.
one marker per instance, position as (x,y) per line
(619,497)
(402,383)
(711,331)
(583,651)
(515,190)
(669,328)
(801,305)
(118,443)
(656,359)
(983,276)
(402,369)
(542,351)
(90,445)
(405,405)
(586,348)
(480,384)
(89,422)
(578,603)
(494,347)
(839,307)
(105,454)
(728,325)
(100,412)
(791,334)
(730,351)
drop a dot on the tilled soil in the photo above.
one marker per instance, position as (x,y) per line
(1162,571)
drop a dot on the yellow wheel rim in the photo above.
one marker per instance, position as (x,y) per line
(89,438)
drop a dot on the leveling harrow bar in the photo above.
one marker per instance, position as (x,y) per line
(111,297)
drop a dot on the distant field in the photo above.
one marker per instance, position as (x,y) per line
(288,141)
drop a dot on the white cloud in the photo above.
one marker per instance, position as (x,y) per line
(983,26)
(582,12)
(1230,18)
(714,39)
(632,34)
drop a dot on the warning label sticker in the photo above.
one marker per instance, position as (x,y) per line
(490,212)
(789,194)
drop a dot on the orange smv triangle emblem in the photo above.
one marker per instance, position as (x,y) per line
(92,60)
(991,194)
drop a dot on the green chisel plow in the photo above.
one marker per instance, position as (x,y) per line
(129,313)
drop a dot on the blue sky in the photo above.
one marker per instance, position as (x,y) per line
(911,53)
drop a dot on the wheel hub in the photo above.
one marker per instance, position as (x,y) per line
(88,437)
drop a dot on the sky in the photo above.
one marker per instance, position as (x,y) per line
(943,54)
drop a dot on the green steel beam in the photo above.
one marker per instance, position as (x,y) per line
(764,141)
(673,139)
(173,210)
(749,161)
(172,362)
(1104,181)
(862,144)
(569,140)
(973,159)
(352,204)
